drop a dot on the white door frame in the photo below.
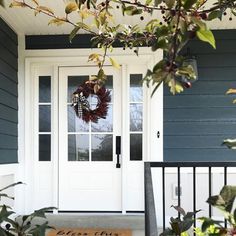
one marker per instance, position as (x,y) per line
(52,59)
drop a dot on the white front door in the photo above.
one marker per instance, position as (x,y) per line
(88,177)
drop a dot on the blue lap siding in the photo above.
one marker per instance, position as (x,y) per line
(8,94)
(196,121)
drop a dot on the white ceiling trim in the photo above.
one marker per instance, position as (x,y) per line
(24,22)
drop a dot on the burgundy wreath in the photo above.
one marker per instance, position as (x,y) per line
(82,106)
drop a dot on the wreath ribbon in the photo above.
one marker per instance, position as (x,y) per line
(79,102)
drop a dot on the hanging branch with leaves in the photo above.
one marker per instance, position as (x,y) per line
(178,22)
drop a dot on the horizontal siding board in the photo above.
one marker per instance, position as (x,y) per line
(191,141)
(200,114)
(7,127)
(8,44)
(4,27)
(7,113)
(8,142)
(224,34)
(8,156)
(209,60)
(207,88)
(8,99)
(8,71)
(217,74)
(222,47)
(199,154)
(8,57)
(8,85)
(200,128)
(199,101)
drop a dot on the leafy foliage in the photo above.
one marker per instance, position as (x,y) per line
(23,225)
(178,22)
(210,227)
(230,143)
(180,224)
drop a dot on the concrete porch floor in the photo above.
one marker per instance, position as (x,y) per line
(133,222)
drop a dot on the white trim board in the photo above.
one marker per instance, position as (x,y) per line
(51,60)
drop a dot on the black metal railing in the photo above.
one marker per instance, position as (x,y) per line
(150,215)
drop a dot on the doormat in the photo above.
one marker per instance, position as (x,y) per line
(89,232)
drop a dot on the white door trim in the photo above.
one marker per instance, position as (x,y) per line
(54,59)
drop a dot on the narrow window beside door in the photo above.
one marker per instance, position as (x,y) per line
(44,109)
(136,117)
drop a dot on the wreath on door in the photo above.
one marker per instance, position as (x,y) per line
(82,106)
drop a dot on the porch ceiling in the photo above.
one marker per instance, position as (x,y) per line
(24,22)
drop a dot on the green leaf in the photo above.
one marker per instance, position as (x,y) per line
(207,222)
(148,2)
(4,213)
(207,36)
(188,4)
(41,212)
(170,3)
(157,2)
(57,21)
(74,32)
(70,7)
(10,186)
(114,63)
(228,193)
(186,71)
(214,14)
(179,210)
(17,4)
(230,143)
(132,10)
(83,26)
(231,91)
(175,86)
(199,23)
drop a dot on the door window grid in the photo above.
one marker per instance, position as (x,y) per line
(136,117)
(91,130)
(44,120)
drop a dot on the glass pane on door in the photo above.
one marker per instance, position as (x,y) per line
(89,141)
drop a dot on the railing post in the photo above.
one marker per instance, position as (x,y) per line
(150,212)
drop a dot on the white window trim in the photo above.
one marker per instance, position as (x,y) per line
(69,57)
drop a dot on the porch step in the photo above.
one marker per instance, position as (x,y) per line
(133,222)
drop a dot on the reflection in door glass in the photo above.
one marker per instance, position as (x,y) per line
(44,88)
(102,145)
(135,147)
(75,124)
(44,118)
(73,83)
(136,89)
(78,147)
(136,117)
(104,125)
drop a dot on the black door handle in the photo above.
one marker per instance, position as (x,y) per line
(118,150)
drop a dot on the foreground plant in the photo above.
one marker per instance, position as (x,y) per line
(209,227)
(23,225)
(178,22)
